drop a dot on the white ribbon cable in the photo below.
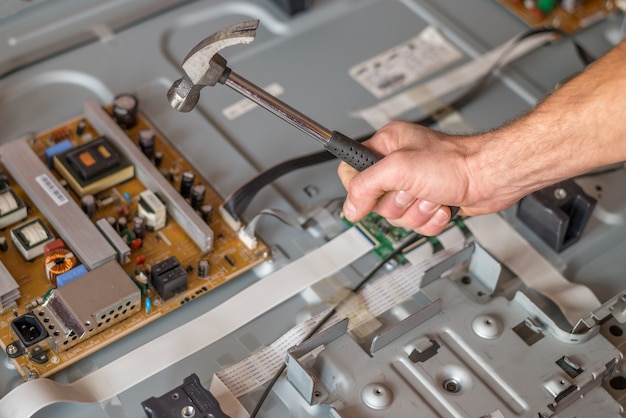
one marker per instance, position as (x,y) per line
(378,297)
(387,110)
(131,369)
(500,239)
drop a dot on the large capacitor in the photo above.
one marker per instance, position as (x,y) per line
(197,196)
(186,182)
(146,142)
(125,109)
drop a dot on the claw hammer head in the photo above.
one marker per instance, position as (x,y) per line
(203,66)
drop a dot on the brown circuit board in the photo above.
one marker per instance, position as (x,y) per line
(585,14)
(227,259)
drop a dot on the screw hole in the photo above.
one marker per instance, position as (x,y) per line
(616,331)
(618,383)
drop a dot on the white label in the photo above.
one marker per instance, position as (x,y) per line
(53,191)
(245,105)
(408,62)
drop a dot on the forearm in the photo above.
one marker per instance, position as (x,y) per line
(579,127)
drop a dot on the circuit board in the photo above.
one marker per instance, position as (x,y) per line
(569,16)
(149,264)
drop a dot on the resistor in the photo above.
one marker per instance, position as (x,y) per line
(146,142)
(125,109)
(197,196)
(148,304)
(203,268)
(88,203)
(186,183)
(127,197)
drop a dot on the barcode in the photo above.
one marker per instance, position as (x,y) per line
(53,191)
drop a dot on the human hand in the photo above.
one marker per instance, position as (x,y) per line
(423,172)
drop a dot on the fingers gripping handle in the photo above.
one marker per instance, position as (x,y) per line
(358,156)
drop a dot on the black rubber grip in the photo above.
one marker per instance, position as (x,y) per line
(358,156)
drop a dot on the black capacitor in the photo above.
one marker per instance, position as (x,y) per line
(139,226)
(186,183)
(158,158)
(206,211)
(88,203)
(203,268)
(122,223)
(80,127)
(4,244)
(4,179)
(197,196)
(125,108)
(112,221)
(146,142)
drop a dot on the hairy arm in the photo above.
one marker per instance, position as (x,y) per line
(579,127)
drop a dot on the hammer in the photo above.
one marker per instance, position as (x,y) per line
(203,66)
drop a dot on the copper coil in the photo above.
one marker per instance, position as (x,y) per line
(58,262)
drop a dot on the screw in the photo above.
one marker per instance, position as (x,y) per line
(560,193)
(11,349)
(451,385)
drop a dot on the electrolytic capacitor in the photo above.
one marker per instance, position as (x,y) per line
(206,212)
(203,268)
(139,226)
(125,109)
(146,139)
(112,221)
(197,196)
(186,182)
(122,223)
(4,245)
(88,203)
(4,179)
(158,158)
(80,127)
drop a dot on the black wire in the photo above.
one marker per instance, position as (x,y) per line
(239,200)
(410,240)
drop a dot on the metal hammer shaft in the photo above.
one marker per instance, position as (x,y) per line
(352,152)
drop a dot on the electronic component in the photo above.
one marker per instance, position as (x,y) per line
(93,167)
(150,176)
(139,226)
(71,275)
(88,205)
(125,109)
(30,238)
(28,329)
(190,399)
(111,235)
(88,305)
(568,15)
(146,139)
(152,210)
(63,214)
(203,268)
(57,262)
(186,182)
(168,278)
(12,208)
(9,289)
(4,245)
(197,196)
(558,214)
(55,150)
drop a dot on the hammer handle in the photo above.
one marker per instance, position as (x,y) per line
(358,156)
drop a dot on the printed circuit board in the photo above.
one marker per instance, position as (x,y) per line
(101,232)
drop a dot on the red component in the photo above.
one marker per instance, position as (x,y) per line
(54,245)
(140,260)
(538,13)
(136,243)
(123,211)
